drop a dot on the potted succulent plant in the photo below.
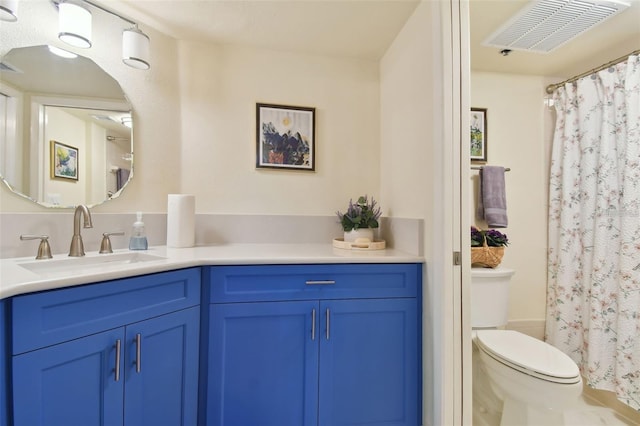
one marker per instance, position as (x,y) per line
(360,219)
(487,247)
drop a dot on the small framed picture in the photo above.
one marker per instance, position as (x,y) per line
(285,137)
(64,161)
(478,122)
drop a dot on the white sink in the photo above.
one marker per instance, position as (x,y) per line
(79,265)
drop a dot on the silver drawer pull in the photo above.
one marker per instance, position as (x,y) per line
(138,350)
(313,324)
(328,324)
(320,282)
(117,369)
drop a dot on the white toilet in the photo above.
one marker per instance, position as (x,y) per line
(517,379)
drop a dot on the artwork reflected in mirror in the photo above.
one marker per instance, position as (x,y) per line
(69,129)
(64,161)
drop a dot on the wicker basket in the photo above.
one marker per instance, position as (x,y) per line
(486,256)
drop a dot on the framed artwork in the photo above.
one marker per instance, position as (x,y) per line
(64,161)
(478,122)
(285,137)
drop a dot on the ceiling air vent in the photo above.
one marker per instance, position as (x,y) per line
(545,25)
(102,117)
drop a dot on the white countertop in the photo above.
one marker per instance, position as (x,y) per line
(16,279)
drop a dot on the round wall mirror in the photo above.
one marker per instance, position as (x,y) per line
(65,129)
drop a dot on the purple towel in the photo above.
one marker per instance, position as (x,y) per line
(492,202)
(122,176)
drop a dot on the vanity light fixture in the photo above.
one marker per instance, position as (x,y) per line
(135,48)
(75,29)
(74,24)
(9,10)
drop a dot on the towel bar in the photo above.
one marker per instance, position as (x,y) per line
(506,169)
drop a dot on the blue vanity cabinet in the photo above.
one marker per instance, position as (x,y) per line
(123,352)
(161,382)
(369,371)
(5,387)
(314,345)
(261,369)
(72,383)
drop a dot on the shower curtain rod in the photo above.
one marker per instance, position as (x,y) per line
(552,87)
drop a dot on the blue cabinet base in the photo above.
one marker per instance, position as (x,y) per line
(316,345)
(313,345)
(123,352)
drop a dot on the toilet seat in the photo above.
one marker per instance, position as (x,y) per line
(528,355)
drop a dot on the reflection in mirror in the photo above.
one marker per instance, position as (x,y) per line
(65,129)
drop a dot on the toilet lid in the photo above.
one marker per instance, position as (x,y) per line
(529,355)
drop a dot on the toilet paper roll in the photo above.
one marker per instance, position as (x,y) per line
(181,220)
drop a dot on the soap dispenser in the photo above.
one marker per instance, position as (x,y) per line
(138,239)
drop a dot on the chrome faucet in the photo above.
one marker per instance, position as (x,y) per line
(77,248)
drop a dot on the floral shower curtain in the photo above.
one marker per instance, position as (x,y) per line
(593,298)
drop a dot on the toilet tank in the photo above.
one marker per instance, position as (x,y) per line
(490,296)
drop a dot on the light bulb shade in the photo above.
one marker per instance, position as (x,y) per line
(135,48)
(74,25)
(61,52)
(9,10)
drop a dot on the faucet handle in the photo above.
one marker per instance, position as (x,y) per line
(44,249)
(105,246)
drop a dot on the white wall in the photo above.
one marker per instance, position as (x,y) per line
(69,130)
(219,89)
(411,129)
(98,152)
(11,155)
(516,139)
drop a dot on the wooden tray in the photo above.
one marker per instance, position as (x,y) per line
(359,244)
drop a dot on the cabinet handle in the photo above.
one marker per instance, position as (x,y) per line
(313,324)
(328,323)
(320,282)
(138,350)
(117,369)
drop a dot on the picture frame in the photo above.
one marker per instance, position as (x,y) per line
(64,161)
(478,131)
(285,137)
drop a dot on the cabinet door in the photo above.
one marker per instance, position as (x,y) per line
(369,362)
(71,384)
(161,370)
(263,364)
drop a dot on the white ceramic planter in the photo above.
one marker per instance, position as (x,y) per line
(359,234)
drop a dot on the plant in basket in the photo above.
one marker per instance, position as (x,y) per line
(487,247)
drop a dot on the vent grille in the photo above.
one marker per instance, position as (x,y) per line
(548,24)
(102,117)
